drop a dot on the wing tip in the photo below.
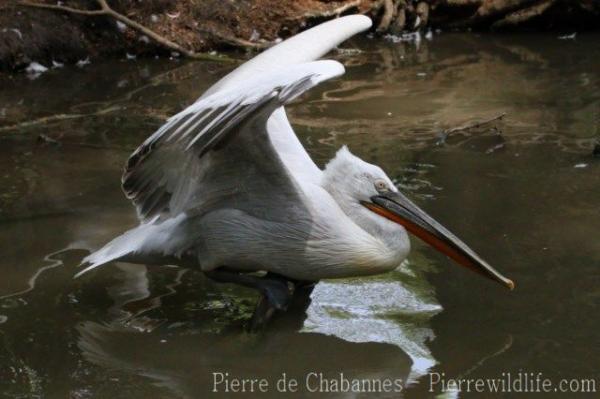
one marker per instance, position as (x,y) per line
(332,68)
(86,269)
(361,21)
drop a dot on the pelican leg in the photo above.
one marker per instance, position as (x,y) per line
(263,312)
(275,290)
(266,307)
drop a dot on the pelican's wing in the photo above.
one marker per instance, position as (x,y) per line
(170,171)
(309,45)
(218,151)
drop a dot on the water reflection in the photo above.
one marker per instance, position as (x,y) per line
(369,311)
(192,348)
(512,192)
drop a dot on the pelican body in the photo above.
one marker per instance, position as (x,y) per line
(225,187)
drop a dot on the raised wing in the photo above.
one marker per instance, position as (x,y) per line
(309,45)
(218,151)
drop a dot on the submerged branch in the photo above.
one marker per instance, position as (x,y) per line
(54,118)
(474,125)
(40,121)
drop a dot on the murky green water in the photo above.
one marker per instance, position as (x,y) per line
(524,194)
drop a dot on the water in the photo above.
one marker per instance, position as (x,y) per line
(523,192)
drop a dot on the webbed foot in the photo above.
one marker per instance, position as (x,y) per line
(276,293)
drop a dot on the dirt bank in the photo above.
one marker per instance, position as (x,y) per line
(31,34)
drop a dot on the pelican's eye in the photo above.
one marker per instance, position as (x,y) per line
(381,185)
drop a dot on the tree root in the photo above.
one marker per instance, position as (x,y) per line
(389,11)
(400,21)
(396,16)
(422,12)
(494,9)
(106,10)
(523,15)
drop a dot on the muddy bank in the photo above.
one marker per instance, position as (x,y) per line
(199,27)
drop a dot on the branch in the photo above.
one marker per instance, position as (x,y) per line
(336,12)
(106,10)
(460,3)
(236,41)
(62,8)
(54,118)
(40,121)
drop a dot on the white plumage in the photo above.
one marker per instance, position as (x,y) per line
(226,184)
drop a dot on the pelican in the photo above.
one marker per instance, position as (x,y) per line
(225,187)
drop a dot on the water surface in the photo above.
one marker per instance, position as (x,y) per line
(523,192)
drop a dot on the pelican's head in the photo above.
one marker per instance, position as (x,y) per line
(360,187)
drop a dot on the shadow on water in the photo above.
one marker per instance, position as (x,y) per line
(524,194)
